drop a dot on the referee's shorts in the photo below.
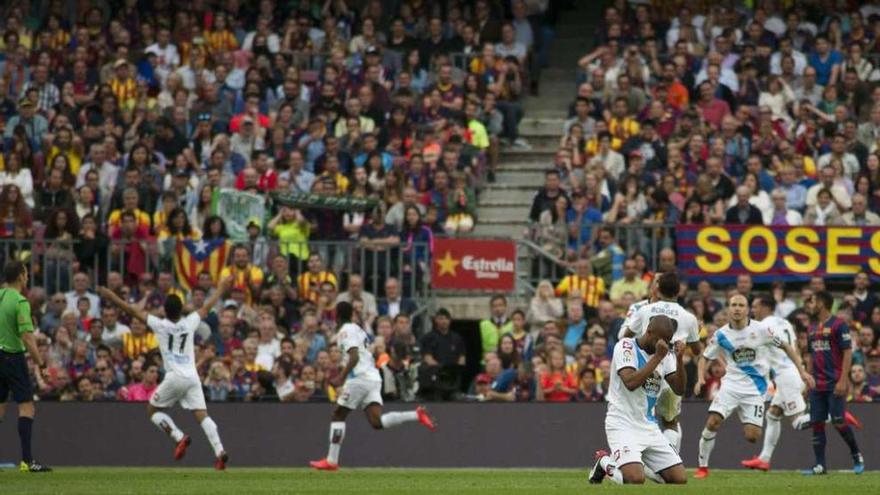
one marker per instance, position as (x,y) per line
(14,377)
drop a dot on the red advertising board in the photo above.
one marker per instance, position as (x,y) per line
(472,264)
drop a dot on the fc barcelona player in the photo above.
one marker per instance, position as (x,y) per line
(829,361)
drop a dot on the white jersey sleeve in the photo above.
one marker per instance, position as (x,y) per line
(629,319)
(712,349)
(624,356)
(352,336)
(639,321)
(155,324)
(785,334)
(688,328)
(668,365)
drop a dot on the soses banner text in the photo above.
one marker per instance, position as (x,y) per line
(720,253)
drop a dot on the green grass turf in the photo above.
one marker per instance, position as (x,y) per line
(246,481)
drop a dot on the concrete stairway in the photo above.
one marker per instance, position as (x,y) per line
(504,205)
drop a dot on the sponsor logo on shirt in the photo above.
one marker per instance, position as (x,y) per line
(744,355)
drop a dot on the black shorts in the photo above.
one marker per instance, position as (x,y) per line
(14,377)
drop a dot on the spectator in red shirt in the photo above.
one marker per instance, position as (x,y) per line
(143,391)
(712,109)
(559,385)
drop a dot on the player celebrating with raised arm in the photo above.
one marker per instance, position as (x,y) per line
(788,398)
(639,366)
(181,383)
(745,381)
(16,337)
(687,333)
(361,387)
(830,360)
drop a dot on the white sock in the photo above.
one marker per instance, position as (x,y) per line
(771,436)
(391,419)
(651,475)
(707,443)
(337,434)
(801,422)
(166,424)
(673,437)
(680,434)
(210,429)
(611,470)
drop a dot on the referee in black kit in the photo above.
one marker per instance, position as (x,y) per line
(16,336)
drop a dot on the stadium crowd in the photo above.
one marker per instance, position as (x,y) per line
(120,124)
(122,120)
(698,113)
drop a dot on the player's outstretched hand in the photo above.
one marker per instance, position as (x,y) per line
(680,347)
(698,388)
(103,291)
(809,380)
(661,349)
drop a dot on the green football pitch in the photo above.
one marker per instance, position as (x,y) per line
(246,481)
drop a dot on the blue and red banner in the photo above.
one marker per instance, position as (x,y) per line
(721,252)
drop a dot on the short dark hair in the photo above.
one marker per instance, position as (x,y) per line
(766,301)
(12,271)
(344,311)
(498,297)
(173,307)
(826,298)
(669,285)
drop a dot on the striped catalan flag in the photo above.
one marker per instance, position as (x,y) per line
(194,257)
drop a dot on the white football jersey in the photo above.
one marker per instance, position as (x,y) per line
(176,343)
(784,332)
(687,328)
(627,322)
(748,363)
(351,336)
(629,409)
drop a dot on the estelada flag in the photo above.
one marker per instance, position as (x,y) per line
(194,257)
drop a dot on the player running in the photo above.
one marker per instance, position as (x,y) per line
(361,388)
(639,366)
(830,360)
(16,337)
(745,381)
(687,332)
(181,383)
(788,398)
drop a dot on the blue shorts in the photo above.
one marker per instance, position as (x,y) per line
(14,377)
(825,403)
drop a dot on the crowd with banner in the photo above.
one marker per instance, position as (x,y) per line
(312,150)
(738,145)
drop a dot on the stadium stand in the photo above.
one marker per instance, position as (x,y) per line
(315,150)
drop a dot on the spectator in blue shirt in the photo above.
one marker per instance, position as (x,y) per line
(826,61)
(582,218)
(496,384)
(796,193)
(312,144)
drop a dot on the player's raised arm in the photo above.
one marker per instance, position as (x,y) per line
(124,306)
(678,380)
(709,353)
(633,379)
(215,297)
